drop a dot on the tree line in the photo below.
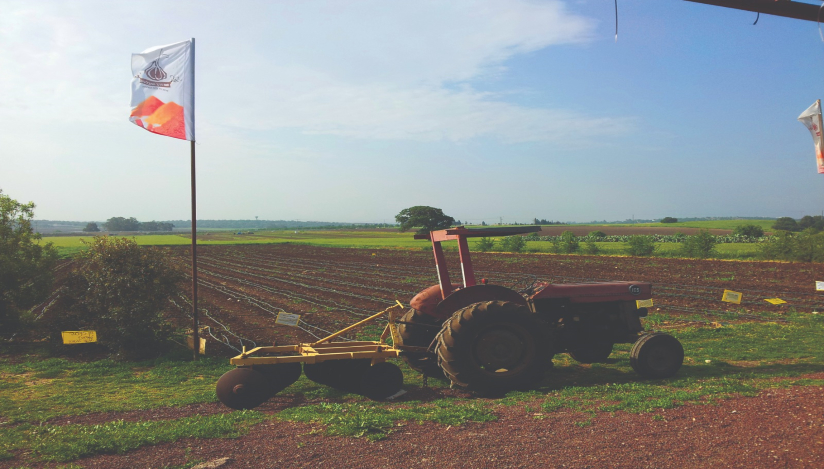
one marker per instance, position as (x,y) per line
(129,224)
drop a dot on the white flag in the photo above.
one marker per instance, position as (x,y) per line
(163,90)
(811,118)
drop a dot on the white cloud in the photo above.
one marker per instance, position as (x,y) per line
(370,69)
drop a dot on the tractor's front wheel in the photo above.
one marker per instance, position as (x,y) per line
(494,346)
(656,355)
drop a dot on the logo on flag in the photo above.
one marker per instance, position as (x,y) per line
(163,98)
(811,118)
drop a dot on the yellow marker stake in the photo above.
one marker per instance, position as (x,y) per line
(775,301)
(643,303)
(732,297)
(79,337)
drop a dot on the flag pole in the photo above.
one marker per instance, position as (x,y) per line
(196,337)
(195,323)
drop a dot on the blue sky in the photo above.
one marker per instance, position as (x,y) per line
(352,111)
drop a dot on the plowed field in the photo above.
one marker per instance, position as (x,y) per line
(242,288)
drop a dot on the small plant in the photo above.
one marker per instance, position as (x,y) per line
(597,234)
(699,246)
(567,243)
(483,245)
(513,244)
(640,245)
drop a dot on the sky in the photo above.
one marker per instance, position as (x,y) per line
(351,111)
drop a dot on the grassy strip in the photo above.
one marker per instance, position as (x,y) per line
(38,389)
(70,442)
(374,420)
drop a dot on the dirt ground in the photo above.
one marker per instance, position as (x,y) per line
(780,428)
(243,288)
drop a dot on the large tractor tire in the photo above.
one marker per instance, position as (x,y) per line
(493,347)
(420,333)
(656,355)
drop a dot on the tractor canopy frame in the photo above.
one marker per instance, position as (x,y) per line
(461,234)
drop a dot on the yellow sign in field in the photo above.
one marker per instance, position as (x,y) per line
(819,286)
(287,319)
(775,301)
(643,303)
(79,337)
(732,297)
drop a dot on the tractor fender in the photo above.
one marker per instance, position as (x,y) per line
(475,294)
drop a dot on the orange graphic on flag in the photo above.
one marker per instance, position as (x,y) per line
(161,118)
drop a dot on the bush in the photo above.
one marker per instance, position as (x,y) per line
(567,243)
(640,245)
(753,231)
(797,247)
(597,234)
(785,224)
(669,220)
(591,248)
(485,245)
(699,246)
(513,244)
(119,290)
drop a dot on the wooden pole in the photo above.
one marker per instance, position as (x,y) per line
(196,337)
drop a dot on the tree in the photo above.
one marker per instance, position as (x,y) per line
(119,290)
(427,218)
(25,265)
(785,224)
(91,227)
(669,220)
(700,246)
(640,245)
(753,231)
(122,224)
(816,223)
(513,243)
(566,243)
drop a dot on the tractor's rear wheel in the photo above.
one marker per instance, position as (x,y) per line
(591,351)
(279,376)
(656,355)
(494,346)
(416,329)
(242,388)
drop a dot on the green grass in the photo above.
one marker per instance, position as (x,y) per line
(62,443)
(373,420)
(35,389)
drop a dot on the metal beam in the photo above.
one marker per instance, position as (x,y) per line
(786,8)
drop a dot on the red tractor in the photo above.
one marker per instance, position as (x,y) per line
(492,339)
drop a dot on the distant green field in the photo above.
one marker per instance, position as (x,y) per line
(712,224)
(68,245)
